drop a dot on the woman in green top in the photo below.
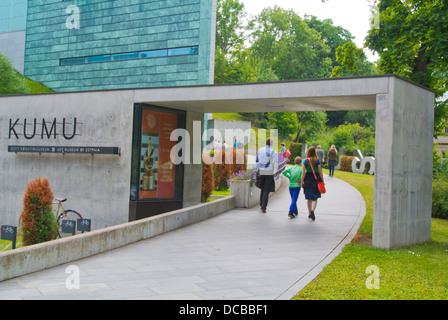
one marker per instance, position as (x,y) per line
(294,174)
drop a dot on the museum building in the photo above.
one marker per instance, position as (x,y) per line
(106,152)
(127,73)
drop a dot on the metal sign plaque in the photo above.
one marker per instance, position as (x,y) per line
(84,225)
(64,149)
(68,226)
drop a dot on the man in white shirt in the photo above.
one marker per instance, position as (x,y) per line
(266,159)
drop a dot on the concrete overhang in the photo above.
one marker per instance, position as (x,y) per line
(330,94)
(333,94)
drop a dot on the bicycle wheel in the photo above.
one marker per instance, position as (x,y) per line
(67,215)
(19,226)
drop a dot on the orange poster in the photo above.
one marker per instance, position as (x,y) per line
(157,172)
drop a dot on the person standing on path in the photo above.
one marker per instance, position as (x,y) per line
(266,159)
(309,181)
(294,174)
(320,154)
(332,159)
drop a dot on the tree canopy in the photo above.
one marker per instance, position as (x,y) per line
(412,41)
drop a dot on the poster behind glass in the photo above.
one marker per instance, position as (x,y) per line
(157,172)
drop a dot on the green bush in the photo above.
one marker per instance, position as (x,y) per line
(440,198)
(296,151)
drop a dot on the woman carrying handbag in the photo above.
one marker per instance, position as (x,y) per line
(310,181)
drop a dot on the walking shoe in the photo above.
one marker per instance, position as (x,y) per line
(311,216)
(291,215)
(263,210)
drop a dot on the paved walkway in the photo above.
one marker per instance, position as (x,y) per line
(241,254)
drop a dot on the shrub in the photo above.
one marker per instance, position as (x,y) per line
(221,170)
(296,151)
(38,221)
(345,164)
(239,161)
(440,198)
(208,182)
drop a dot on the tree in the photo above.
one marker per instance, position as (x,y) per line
(288,45)
(10,80)
(353,61)
(412,42)
(229,40)
(310,123)
(285,122)
(334,36)
(229,29)
(39,222)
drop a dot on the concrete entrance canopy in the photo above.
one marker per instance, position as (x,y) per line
(404,136)
(101,185)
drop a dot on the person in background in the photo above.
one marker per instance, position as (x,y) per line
(283,148)
(332,160)
(294,174)
(266,158)
(320,154)
(309,182)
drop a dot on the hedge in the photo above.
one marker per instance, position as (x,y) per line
(440,198)
(345,164)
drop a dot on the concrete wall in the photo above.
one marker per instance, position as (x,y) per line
(403,173)
(193,171)
(98,186)
(95,185)
(222,125)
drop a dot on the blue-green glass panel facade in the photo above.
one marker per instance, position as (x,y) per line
(112,44)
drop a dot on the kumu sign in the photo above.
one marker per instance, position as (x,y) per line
(43,129)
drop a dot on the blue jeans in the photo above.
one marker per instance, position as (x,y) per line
(294,192)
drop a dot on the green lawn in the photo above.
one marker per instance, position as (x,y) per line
(411,273)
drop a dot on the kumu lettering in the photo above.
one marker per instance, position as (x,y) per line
(43,129)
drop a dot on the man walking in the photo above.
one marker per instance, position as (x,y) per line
(266,159)
(320,154)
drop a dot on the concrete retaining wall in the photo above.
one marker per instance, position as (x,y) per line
(34,258)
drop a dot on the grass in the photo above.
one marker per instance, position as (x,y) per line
(415,272)
(7,245)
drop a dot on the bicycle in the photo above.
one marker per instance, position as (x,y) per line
(61,216)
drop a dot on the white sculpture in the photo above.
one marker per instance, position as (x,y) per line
(363,162)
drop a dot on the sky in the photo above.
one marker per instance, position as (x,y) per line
(353,15)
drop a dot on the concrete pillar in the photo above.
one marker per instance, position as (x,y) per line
(403,173)
(193,170)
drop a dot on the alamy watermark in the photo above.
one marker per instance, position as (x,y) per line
(181,152)
(72,21)
(73,280)
(373,280)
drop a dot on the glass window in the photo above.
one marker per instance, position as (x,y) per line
(182,51)
(153,54)
(155,177)
(98,59)
(125,56)
(72,61)
(131,56)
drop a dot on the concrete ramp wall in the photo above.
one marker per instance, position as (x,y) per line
(18,262)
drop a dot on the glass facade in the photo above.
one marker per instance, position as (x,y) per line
(98,44)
